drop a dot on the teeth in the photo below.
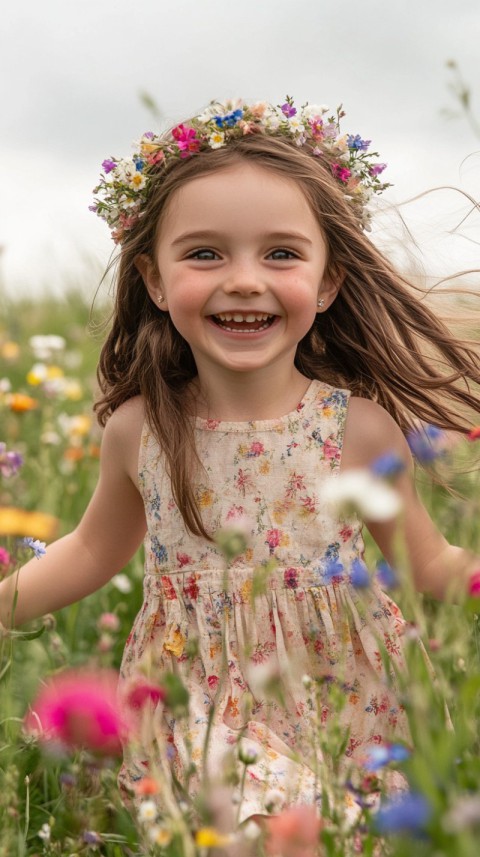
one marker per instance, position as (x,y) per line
(250,317)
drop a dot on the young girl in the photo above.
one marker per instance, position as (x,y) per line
(260,346)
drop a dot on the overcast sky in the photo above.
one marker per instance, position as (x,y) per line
(72,73)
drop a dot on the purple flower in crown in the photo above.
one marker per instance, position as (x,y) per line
(108,165)
(376,169)
(288,110)
(354,141)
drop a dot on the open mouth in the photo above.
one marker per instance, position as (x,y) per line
(248,322)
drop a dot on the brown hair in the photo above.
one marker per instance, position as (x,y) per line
(379,338)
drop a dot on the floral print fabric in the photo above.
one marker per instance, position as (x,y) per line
(306,619)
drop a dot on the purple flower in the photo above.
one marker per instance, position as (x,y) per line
(376,169)
(90,837)
(359,576)
(288,110)
(38,547)
(379,756)
(387,465)
(409,813)
(386,575)
(108,165)
(354,141)
(10,462)
(426,443)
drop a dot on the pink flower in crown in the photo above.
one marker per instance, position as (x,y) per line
(155,157)
(187,140)
(316,128)
(79,709)
(341,173)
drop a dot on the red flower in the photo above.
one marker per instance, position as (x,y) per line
(143,692)
(79,708)
(474,434)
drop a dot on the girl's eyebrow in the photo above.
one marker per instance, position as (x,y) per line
(209,235)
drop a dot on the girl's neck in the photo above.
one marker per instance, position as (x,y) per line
(256,396)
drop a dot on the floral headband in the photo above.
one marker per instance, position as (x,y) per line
(124,184)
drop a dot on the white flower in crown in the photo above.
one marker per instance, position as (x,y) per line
(217,140)
(312,111)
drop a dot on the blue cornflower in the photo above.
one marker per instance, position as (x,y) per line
(354,141)
(139,165)
(38,547)
(359,576)
(333,568)
(379,756)
(426,443)
(386,575)
(409,813)
(387,465)
(229,120)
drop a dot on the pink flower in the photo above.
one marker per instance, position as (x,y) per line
(341,173)
(273,539)
(474,434)
(293,833)
(6,561)
(187,140)
(474,584)
(79,709)
(108,622)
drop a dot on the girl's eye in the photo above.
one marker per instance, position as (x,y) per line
(282,254)
(203,254)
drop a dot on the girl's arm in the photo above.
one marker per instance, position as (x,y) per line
(106,538)
(437,566)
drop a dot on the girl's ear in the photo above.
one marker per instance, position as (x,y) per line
(330,286)
(151,277)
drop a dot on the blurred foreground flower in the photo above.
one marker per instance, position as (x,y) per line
(45,346)
(18,522)
(293,833)
(78,709)
(38,547)
(408,813)
(360,491)
(427,443)
(474,434)
(10,461)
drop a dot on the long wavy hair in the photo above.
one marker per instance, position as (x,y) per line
(379,338)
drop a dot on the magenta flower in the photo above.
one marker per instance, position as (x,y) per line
(474,584)
(376,169)
(341,173)
(108,165)
(144,692)
(6,561)
(187,140)
(79,709)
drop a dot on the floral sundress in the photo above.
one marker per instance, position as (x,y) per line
(306,619)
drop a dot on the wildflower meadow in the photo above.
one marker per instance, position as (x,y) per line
(61,727)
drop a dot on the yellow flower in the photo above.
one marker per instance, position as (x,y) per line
(159,835)
(73,390)
(208,837)
(246,591)
(18,522)
(265,467)
(175,643)
(284,540)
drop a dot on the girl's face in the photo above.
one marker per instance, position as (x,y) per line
(240,262)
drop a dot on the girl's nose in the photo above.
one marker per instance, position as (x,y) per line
(245,280)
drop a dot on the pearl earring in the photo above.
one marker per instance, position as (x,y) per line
(320,302)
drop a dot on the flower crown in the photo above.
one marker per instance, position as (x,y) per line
(124,184)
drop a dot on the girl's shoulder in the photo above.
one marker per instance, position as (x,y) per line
(123,433)
(370,431)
